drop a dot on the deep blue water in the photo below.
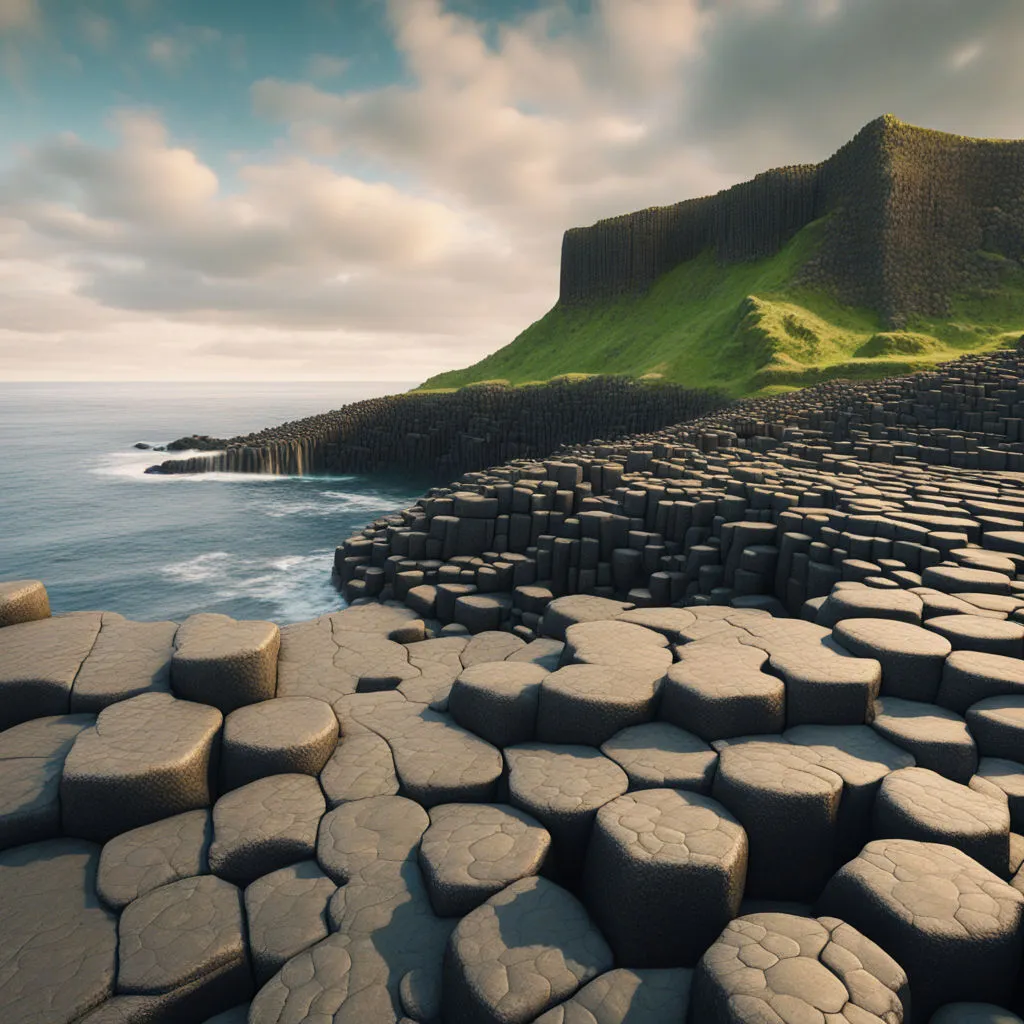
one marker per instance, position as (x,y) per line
(78,512)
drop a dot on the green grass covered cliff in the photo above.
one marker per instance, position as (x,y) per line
(904,249)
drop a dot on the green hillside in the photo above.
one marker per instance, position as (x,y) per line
(746,328)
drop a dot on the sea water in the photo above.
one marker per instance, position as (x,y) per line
(78,511)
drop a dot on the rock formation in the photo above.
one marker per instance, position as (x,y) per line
(909,210)
(719,723)
(441,434)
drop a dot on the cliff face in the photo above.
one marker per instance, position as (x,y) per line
(442,434)
(909,210)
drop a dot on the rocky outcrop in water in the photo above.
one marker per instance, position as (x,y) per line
(437,435)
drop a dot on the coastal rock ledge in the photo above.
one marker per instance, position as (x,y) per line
(721,724)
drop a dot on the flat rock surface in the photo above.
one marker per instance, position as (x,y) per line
(178,933)
(655,755)
(265,825)
(38,664)
(136,862)
(58,944)
(145,758)
(127,659)
(470,852)
(625,996)
(525,949)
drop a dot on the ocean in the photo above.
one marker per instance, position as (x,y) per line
(78,511)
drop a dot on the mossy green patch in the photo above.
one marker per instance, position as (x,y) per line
(747,327)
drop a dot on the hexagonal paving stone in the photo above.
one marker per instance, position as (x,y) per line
(472,851)
(915,803)
(58,944)
(789,805)
(524,950)
(38,664)
(997,725)
(657,755)
(265,825)
(563,786)
(277,737)
(498,701)
(664,874)
(589,703)
(953,925)
(779,967)
(975,633)
(912,658)
(145,759)
(938,739)
(970,676)
(146,858)
(225,663)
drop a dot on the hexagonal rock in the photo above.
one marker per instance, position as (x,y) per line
(869,602)
(620,645)
(137,862)
(953,925)
(588,704)
(937,738)
(657,755)
(1006,777)
(664,874)
(717,689)
(265,825)
(974,1013)
(997,725)
(915,803)
(670,622)
(970,676)
(567,611)
(976,633)
(38,664)
(623,996)
(911,657)
(127,659)
(563,786)
(789,805)
(225,663)
(526,949)
(952,579)
(491,645)
(340,979)
(437,761)
(179,932)
(472,851)
(286,912)
(58,944)
(862,759)
(356,836)
(145,759)
(775,967)
(361,766)
(23,601)
(275,737)
(31,761)
(542,651)
(498,701)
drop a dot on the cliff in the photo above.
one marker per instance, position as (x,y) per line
(909,209)
(903,228)
(442,434)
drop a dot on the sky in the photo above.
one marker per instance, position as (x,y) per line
(377,189)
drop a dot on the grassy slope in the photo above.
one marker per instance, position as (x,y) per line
(745,328)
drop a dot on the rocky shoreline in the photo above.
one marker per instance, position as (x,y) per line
(439,434)
(721,722)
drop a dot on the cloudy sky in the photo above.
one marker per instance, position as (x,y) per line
(377,189)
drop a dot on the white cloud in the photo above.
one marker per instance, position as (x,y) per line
(172,51)
(323,66)
(400,230)
(19,15)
